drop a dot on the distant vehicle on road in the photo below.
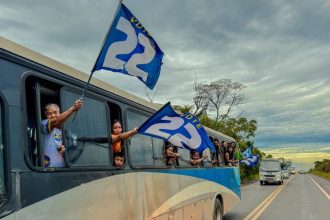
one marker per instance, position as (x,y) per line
(270,171)
(302,171)
(293,170)
(286,174)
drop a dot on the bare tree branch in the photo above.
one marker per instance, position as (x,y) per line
(200,99)
(221,97)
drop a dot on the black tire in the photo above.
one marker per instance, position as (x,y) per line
(261,183)
(217,211)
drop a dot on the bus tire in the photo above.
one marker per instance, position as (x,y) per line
(217,211)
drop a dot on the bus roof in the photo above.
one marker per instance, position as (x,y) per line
(38,58)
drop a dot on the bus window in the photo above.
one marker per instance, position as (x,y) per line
(207,162)
(143,150)
(90,121)
(2,157)
(158,151)
(39,92)
(185,157)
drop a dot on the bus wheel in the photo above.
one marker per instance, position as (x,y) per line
(217,211)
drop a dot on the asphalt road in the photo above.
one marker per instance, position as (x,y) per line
(303,197)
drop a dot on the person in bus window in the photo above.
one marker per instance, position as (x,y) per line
(118,160)
(225,146)
(237,152)
(52,133)
(229,157)
(196,160)
(220,153)
(118,136)
(116,139)
(170,155)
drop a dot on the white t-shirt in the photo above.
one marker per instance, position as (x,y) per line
(52,140)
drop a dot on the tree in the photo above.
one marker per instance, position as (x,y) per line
(221,97)
(200,99)
(183,108)
(239,128)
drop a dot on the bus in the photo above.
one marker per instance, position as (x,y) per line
(90,186)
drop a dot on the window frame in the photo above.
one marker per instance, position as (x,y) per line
(107,112)
(63,83)
(6,165)
(189,165)
(129,160)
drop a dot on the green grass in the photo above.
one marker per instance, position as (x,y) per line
(321,174)
(251,178)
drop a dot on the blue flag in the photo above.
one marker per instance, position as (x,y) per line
(248,152)
(130,49)
(181,130)
(249,159)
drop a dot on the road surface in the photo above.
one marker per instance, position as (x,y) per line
(303,196)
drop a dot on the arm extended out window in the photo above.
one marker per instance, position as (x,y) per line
(92,120)
(144,150)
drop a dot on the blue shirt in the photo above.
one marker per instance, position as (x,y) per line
(52,140)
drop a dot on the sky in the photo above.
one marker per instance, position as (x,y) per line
(278,49)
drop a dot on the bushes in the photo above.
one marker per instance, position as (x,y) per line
(322,168)
(249,173)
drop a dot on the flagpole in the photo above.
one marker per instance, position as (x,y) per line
(104,40)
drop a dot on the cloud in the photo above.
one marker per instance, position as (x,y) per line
(303,156)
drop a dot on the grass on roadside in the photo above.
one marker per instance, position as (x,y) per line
(251,178)
(320,173)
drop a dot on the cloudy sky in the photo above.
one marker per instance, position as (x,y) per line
(279,49)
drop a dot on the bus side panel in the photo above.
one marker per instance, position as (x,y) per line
(138,195)
(11,81)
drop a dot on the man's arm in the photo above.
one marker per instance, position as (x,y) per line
(59,120)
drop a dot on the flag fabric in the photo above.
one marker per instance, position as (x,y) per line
(183,131)
(129,49)
(249,160)
(248,151)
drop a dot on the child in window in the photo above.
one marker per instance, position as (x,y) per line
(119,160)
(52,133)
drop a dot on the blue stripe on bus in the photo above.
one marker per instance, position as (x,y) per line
(228,177)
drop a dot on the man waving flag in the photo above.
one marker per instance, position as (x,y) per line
(183,131)
(129,49)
